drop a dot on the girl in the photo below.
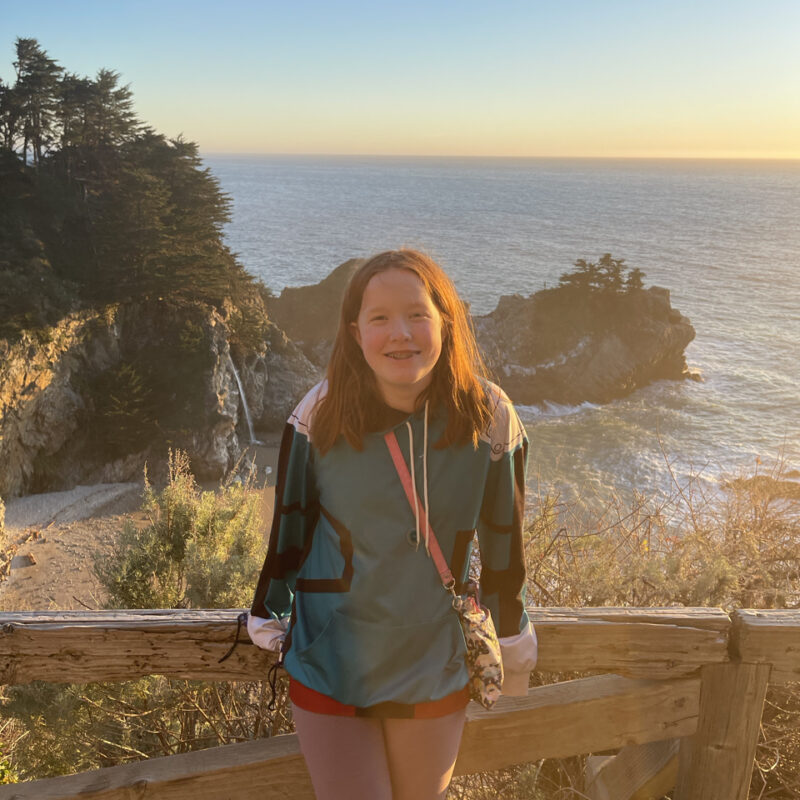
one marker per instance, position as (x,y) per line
(348,592)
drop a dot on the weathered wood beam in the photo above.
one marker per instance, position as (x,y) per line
(697,617)
(79,647)
(768,637)
(581,716)
(552,721)
(716,763)
(83,646)
(635,642)
(270,769)
(637,772)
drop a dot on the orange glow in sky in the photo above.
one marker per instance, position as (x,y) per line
(622,78)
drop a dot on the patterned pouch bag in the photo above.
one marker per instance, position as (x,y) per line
(484,661)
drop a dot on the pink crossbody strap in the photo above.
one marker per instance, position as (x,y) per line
(405,479)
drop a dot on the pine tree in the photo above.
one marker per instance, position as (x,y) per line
(37,81)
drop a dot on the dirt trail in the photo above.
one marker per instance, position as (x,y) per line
(52,540)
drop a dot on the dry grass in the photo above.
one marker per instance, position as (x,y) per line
(730,544)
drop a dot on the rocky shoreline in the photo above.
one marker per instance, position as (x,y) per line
(556,345)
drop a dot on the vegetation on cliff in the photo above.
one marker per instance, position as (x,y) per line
(104,219)
(607,276)
(99,208)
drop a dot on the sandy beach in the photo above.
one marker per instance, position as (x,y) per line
(52,539)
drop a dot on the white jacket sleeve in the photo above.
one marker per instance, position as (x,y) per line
(519,659)
(266,633)
(500,535)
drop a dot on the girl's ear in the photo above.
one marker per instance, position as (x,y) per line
(355,332)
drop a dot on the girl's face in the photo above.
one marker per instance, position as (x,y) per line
(399,330)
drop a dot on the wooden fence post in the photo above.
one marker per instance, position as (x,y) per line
(717,761)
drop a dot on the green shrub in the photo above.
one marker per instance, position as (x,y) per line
(196,550)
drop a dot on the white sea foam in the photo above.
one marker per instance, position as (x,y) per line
(548,409)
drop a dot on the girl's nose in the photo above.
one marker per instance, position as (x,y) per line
(401,330)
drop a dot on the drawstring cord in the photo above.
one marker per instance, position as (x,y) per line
(272,675)
(272,679)
(424,478)
(413,479)
(240,620)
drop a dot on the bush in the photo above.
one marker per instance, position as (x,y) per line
(196,550)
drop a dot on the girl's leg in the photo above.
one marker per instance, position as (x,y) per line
(422,754)
(346,757)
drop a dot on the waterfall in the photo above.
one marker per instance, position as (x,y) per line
(247,416)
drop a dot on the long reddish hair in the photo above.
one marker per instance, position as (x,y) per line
(456,387)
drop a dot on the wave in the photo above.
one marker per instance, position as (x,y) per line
(548,409)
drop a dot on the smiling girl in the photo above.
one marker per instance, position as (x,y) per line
(349,593)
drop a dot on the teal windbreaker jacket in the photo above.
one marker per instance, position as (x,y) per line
(346,590)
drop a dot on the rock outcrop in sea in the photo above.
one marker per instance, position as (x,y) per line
(565,347)
(559,345)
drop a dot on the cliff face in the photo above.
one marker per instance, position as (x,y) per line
(102,392)
(310,314)
(275,379)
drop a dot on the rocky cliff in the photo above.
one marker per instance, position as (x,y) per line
(92,398)
(310,314)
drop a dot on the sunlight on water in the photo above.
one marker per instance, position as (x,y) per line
(722,236)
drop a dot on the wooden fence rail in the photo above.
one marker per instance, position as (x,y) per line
(674,673)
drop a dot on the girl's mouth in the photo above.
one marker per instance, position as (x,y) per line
(401,355)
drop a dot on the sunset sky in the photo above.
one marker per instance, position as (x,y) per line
(639,78)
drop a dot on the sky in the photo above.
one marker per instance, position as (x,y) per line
(561,78)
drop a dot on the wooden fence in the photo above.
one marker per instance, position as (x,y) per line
(678,696)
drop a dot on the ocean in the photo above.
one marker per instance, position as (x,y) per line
(722,236)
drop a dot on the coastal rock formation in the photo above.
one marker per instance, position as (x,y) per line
(568,347)
(94,397)
(310,314)
(560,345)
(275,378)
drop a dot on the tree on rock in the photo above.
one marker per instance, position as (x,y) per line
(607,275)
(635,280)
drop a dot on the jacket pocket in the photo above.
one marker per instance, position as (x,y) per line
(363,663)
